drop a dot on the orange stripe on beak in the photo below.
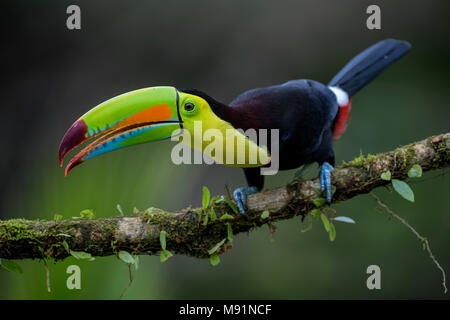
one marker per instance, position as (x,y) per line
(156,113)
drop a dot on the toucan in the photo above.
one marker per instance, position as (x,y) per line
(307,114)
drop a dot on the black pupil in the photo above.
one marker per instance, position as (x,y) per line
(189,106)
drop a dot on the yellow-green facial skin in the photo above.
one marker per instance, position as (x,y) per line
(196,113)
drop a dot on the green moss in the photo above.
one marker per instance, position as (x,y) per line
(18,229)
(357,161)
(371,158)
(410,155)
(360,161)
(404,157)
(153,214)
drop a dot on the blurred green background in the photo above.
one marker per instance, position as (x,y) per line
(54,75)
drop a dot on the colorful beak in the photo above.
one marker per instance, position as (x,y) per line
(140,116)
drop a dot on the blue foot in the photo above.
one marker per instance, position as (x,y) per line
(325,179)
(240,195)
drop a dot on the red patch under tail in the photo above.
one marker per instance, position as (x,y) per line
(342,117)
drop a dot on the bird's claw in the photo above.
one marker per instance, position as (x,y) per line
(240,196)
(325,179)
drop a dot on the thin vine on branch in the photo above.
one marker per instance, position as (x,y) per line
(423,240)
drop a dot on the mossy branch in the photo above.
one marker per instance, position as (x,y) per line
(186,232)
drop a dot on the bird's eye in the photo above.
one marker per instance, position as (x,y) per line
(189,107)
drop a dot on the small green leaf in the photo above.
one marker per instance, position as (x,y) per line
(229,232)
(309,221)
(424,246)
(332,232)
(319,202)
(135,210)
(162,239)
(386,175)
(57,217)
(415,171)
(153,210)
(315,213)
(87,213)
(344,219)
(206,197)
(326,222)
(126,257)
(214,260)
(74,254)
(164,255)
(265,214)
(226,216)
(231,204)
(403,189)
(11,266)
(80,255)
(119,208)
(217,199)
(136,262)
(64,235)
(205,220)
(212,214)
(66,246)
(217,246)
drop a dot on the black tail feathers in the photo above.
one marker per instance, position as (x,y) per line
(368,64)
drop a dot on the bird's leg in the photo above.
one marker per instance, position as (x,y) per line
(325,179)
(240,195)
(255,181)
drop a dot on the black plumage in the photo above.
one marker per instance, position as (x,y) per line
(304,111)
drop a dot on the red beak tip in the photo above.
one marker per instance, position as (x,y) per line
(73,163)
(73,137)
(66,172)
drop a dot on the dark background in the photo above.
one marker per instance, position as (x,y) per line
(53,75)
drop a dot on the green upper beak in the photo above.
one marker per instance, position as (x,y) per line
(132,118)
